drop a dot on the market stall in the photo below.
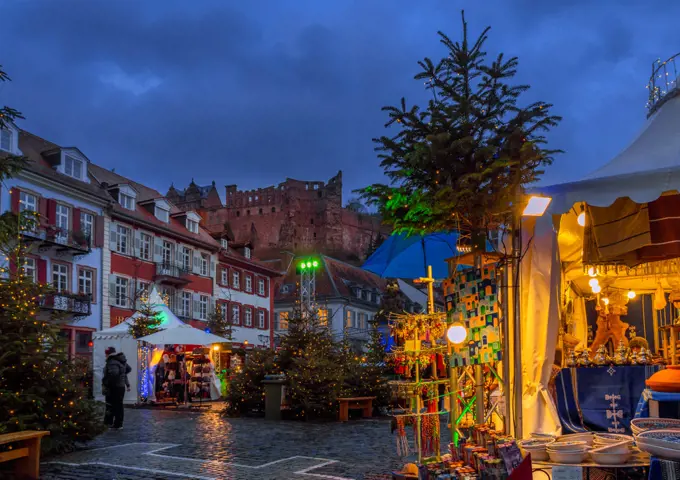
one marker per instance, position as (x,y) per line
(173,364)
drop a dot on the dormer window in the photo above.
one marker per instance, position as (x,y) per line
(246,252)
(5,140)
(225,243)
(162,214)
(126,201)
(73,167)
(192,225)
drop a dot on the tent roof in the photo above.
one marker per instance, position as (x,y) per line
(648,167)
(183,335)
(168,319)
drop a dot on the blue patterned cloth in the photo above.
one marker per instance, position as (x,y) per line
(599,398)
(642,410)
(660,469)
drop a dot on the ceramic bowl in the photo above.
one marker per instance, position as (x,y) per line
(639,425)
(657,451)
(559,456)
(621,447)
(568,446)
(663,437)
(537,448)
(542,436)
(608,458)
(609,438)
(577,437)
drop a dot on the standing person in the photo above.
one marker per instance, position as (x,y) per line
(114,384)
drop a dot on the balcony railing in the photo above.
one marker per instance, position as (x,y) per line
(171,273)
(76,241)
(664,82)
(73,303)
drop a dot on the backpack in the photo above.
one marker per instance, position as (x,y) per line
(111,374)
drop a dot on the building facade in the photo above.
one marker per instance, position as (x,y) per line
(299,216)
(347,298)
(66,246)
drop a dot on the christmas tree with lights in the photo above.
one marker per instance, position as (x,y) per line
(310,360)
(40,388)
(146,321)
(246,392)
(219,323)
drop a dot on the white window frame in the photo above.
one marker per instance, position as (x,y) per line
(31,269)
(247,252)
(225,243)
(28,202)
(73,167)
(236,312)
(248,317)
(283,318)
(145,246)
(203,302)
(249,283)
(224,274)
(63,217)
(322,317)
(260,319)
(60,274)
(6,139)
(235,279)
(123,239)
(185,257)
(87,224)
(261,286)
(126,201)
(83,274)
(120,292)
(166,249)
(162,214)
(185,300)
(205,264)
(192,225)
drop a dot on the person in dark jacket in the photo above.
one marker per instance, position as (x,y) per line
(114,384)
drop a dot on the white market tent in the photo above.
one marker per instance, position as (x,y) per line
(174,332)
(648,168)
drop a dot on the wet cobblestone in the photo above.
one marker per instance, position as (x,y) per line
(161,444)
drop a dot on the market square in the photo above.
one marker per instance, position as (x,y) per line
(339,240)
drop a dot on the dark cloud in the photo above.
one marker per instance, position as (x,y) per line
(252,92)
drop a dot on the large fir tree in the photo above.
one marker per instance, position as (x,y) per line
(40,388)
(219,323)
(461,162)
(147,322)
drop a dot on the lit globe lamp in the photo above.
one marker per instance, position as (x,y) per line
(456,333)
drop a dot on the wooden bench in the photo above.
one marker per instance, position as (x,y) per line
(358,403)
(27,453)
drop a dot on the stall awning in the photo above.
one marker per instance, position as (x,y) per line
(183,335)
(648,167)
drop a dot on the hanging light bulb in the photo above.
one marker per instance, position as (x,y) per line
(593,281)
(631,294)
(456,333)
(581,219)
(605,300)
(592,272)
(597,289)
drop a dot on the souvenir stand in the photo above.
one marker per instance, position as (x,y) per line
(158,360)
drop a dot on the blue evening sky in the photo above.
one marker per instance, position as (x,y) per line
(251,92)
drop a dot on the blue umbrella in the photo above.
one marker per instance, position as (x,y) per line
(402,256)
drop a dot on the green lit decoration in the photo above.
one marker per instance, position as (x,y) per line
(308,264)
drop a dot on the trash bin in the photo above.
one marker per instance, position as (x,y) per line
(273,394)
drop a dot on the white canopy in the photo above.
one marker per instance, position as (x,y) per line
(648,167)
(183,335)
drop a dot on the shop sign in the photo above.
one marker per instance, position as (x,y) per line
(563,472)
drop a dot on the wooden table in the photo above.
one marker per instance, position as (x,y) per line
(27,453)
(365,404)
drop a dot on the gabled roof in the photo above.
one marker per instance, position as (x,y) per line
(174,228)
(33,148)
(335,278)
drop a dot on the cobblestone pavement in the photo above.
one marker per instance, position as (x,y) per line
(162,444)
